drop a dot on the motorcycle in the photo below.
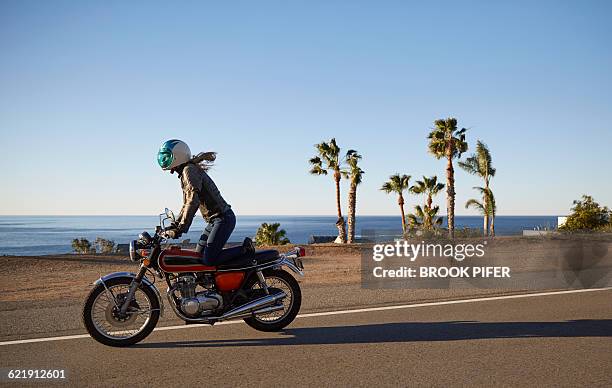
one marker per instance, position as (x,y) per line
(123,308)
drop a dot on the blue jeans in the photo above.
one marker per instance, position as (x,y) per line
(216,234)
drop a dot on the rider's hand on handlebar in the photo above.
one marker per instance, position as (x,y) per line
(172,233)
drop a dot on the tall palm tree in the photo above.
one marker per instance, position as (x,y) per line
(492,211)
(328,159)
(486,207)
(445,141)
(397,184)
(428,186)
(481,164)
(355,175)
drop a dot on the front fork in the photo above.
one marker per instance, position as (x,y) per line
(133,287)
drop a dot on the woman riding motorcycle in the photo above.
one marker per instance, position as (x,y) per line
(199,191)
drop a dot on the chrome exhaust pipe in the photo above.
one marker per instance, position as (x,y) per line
(269,309)
(265,310)
(254,306)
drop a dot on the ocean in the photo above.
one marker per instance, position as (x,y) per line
(43,235)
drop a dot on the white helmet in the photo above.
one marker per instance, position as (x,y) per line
(172,154)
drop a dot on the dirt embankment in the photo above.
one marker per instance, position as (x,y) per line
(70,277)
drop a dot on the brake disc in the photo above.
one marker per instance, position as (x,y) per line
(114,317)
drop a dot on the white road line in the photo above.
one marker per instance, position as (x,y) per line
(326,313)
(446,302)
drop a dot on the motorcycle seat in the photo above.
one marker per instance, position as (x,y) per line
(250,259)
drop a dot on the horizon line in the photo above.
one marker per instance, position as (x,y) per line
(273,215)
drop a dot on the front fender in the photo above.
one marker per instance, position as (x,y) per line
(132,275)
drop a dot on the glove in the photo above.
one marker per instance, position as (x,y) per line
(173,233)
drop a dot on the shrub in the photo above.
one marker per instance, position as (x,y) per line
(587,215)
(418,231)
(466,232)
(105,246)
(269,234)
(606,228)
(82,246)
(437,233)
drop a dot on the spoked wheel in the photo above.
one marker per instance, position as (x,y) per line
(277,281)
(103,319)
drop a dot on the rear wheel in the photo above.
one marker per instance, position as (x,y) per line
(105,323)
(277,281)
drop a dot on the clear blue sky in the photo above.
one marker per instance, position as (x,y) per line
(89,90)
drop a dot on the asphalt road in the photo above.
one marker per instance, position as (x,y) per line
(546,340)
(31,319)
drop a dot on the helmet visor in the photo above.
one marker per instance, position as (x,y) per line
(165,158)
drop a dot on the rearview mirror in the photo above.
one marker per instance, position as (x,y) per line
(169,214)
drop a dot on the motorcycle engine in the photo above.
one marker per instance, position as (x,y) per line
(194,303)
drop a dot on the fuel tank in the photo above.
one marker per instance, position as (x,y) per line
(175,259)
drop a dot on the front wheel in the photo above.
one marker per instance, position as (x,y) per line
(104,321)
(276,281)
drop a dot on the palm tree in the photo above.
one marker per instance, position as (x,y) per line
(492,209)
(329,159)
(445,141)
(428,186)
(355,175)
(397,184)
(486,207)
(480,164)
(425,217)
(269,234)
(415,219)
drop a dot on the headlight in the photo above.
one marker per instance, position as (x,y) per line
(133,254)
(138,251)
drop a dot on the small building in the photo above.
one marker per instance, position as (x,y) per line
(561,221)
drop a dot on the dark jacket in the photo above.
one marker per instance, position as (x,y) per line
(199,191)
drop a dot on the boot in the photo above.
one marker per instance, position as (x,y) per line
(248,248)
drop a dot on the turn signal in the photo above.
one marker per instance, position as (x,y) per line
(146,262)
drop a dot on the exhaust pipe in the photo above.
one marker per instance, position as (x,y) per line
(256,306)
(269,309)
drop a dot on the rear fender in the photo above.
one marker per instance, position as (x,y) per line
(291,263)
(130,276)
